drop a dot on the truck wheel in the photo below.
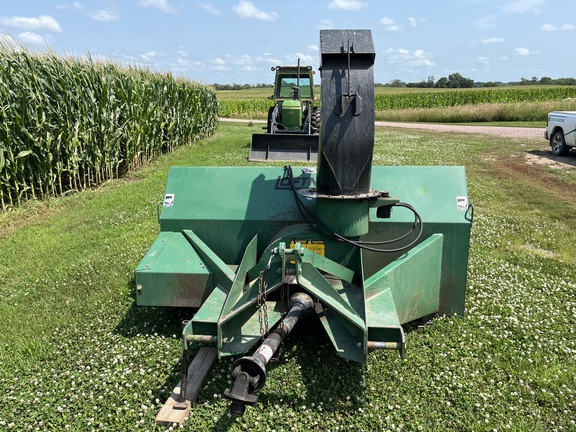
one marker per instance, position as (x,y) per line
(270,115)
(315,121)
(558,145)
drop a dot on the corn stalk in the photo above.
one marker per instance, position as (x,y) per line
(71,123)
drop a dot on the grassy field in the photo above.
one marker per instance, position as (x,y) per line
(77,354)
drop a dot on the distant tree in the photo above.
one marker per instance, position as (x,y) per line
(442,83)
(491,84)
(545,81)
(456,80)
(428,83)
(396,83)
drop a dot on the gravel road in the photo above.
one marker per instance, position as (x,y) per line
(508,132)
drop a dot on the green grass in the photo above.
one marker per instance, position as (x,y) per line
(76,353)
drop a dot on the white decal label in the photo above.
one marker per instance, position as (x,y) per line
(266,351)
(168,200)
(462,203)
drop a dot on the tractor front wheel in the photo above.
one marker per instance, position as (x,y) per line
(558,144)
(315,120)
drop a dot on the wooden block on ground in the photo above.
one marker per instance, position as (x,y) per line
(197,371)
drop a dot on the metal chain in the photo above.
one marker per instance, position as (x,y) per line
(282,298)
(262,306)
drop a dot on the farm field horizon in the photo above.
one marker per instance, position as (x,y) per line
(528,104)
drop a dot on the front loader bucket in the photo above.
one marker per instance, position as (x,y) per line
(284,147)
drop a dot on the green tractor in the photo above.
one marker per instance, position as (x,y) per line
(293,122)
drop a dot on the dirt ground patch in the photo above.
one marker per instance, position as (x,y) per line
(547,159)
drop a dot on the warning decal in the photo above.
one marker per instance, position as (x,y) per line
(462,203)
(314,245)
(168,200)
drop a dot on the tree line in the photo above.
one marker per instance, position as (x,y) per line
(454,80)
(240,86)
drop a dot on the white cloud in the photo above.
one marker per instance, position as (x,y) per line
(186,65)
(389,24)
(31,38)
(482,60)
(209,8)
(415,22)
(104,15)
(490,41)
(149,56)
(563,27)
(232,62)
(161,5)
(74,6)
(267,59)
(219,64)
(314,48)
(350,5)
(404,57)
(246,9)
(26,38)
(521,6)
(182,52)
(33,24)
(486,22)
(305,59)
(522,52)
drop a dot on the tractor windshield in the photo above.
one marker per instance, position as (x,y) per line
(286,83)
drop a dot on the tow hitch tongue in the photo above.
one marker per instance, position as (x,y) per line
(249,373)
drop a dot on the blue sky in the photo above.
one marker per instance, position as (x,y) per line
(237,41)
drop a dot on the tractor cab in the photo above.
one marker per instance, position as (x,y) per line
(293,122)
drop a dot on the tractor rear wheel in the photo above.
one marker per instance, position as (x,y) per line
(315,120)
(558,144)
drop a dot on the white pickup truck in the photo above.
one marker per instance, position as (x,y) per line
(561,131)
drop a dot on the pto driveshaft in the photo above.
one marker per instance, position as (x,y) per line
(249,373)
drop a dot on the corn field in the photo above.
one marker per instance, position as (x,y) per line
(244,107)
(68,123)
(460,97)
(234,104)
